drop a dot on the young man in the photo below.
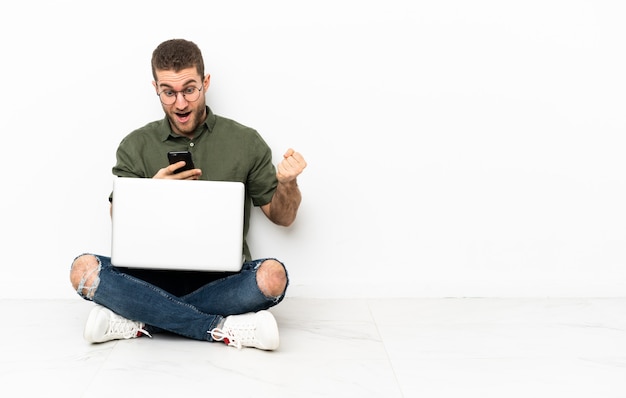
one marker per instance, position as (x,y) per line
(228,307)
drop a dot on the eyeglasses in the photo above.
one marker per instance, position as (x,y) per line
(190,94)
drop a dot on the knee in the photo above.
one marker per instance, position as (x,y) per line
(272,278)
(84,274)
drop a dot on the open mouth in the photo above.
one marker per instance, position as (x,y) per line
(183,117)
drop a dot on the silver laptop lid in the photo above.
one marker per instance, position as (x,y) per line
(177,224)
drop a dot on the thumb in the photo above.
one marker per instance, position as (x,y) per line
(288,153)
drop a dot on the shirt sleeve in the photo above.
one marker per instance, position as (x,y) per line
(262,180)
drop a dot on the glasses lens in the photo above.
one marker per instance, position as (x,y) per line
(191,94)
(168,97)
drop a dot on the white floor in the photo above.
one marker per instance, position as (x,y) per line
(430,348)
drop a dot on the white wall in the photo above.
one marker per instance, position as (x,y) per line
(455,148)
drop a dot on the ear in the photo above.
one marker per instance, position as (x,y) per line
(207,82)
(154,84)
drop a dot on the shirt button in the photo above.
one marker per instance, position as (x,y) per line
(191,144)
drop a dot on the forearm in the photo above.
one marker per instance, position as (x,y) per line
(285,203)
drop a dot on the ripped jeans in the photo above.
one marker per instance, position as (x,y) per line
(193,315)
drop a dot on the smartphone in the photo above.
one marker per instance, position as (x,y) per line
(177,156)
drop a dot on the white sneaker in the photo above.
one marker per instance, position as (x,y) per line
(255,329)
(104,325)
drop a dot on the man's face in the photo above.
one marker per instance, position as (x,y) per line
(182,96)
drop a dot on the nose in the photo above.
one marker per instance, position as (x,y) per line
(181,97)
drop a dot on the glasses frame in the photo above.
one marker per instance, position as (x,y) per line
(182,92)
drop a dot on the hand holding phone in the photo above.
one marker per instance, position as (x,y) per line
(177,156)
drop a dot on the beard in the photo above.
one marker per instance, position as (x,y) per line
(186,122)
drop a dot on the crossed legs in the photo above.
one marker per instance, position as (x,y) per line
(260,285)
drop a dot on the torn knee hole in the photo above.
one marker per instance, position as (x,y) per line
(272,278)
(84,275)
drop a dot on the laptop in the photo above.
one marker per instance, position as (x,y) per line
(177,224)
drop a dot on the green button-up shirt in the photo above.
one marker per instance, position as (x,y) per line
(223,149)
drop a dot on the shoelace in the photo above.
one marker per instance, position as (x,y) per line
(245,334)
(120,326)
(228,338)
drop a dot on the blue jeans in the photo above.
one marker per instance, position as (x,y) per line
(193,315)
